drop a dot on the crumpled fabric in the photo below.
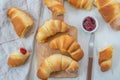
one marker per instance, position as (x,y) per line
(9,41)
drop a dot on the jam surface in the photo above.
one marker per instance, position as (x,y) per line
(89,23)
(23,50)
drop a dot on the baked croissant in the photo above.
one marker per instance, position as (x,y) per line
(50,28)
(86,4)
(54,63)
(66,43)
(55,6)
(105,58)
(109,9)
(21,21)
(18,57)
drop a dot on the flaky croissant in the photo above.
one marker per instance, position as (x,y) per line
(109,9)
(66,43)
(18,57)
(55,6)
(56,62)
(105,58)
(86,4)
(50,28)
(21,21)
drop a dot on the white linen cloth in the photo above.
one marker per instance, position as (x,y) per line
(9,41)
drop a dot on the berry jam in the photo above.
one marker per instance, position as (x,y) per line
(23,50)
(89,23)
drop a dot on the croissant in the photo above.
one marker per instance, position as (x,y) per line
(109,9)
(18,57)
(55,6)
(21,21)
(54,63)
(66,43)
(50,28)
(105,58)
(86,4)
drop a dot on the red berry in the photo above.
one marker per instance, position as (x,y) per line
(23,50)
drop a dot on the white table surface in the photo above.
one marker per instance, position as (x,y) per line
(104,37)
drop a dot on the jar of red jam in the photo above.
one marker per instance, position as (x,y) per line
(89,24)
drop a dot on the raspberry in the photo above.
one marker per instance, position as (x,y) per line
(23,50)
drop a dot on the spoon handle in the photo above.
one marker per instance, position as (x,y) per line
(90,51)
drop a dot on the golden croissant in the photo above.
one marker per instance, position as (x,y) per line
(21,21)
(66,43)
(18,57)
(105,58)
(50,28)
(109,9)
(54,63)
(86,4)
(55,6)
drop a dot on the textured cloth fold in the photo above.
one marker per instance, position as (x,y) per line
(9,41)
